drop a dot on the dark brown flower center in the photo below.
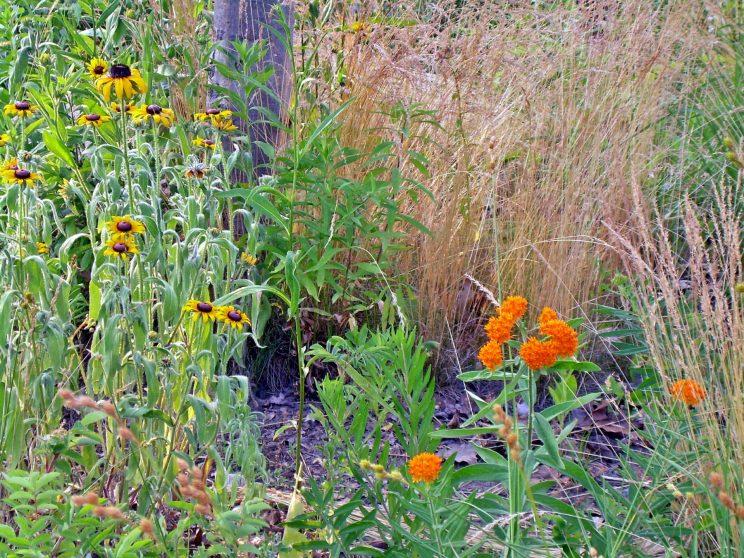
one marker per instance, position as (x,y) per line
(154,109)
(234,315)
(92,117)
(204,307)
(123,226)
(213,111)
(22,105)
(22,174)
(119,71)
(119,247)
(98,70)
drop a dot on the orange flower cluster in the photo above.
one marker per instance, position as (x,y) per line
(562,341)
(499,330)
(425,467)
(688,392)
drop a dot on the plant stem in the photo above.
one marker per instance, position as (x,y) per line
(301,410)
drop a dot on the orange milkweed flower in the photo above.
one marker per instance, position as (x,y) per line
(425,467)
(547,314)
(499,327)
(491,355)
(563,338)
(688,391)
(537,354)
(514,305)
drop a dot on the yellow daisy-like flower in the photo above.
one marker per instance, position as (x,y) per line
(125,225)
(22,109)
(156,113)
(23,177)
(212,113)
(425,467)
(224,124)
(122,82)
(206,310)
(232,317)
(42,248)
(93,119)
(249,259)
(220,119)
(97,68)
(10,164)
(205,143)
(4,140)
(128,107)
(121,246)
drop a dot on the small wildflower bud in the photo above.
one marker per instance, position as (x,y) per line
(716,480)
(726,500)
(66,394)
(593,552)
(202,509)
(108,408)
(381,475)
(91,498)
(126,434)
(728,141)
(739,288)
(203,498)
(740,512)
(377,468)
(181,464)
(85,401)
(99,511)
(396,476)
(145,526)
(365,464)
(674,490)
(689,495)
(512,440)
(77,500)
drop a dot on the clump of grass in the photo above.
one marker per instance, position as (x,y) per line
(544,120)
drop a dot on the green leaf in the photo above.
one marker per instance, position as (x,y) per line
(563,408)
(545,432)
(54,145)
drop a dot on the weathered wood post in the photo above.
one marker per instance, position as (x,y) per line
(249,21)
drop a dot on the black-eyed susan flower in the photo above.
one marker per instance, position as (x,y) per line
(124,224)
(249,259)
(97,68)
(121,246)
(42,248)
(232,317)
(155,113)
(128,107)
(121,82)
(225,124)
(203,142)
(196,170)
(21,109)
(24,177)
(219,118)
(200,308)
(4,140)
(212,113)
(93,119)
(10,164)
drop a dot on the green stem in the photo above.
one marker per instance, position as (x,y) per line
(301,410)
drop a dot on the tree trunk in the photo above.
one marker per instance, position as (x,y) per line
(249,21)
